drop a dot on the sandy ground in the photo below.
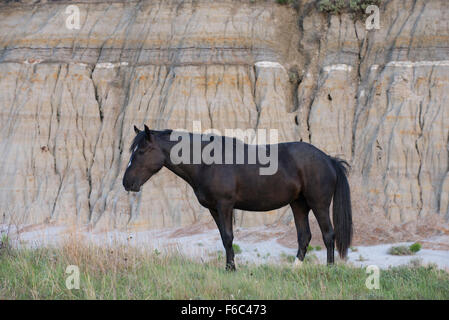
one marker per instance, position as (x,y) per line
(259,245)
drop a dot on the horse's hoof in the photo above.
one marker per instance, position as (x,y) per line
(230,267)
(297,263)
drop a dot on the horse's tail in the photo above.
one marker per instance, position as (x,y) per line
(342,213)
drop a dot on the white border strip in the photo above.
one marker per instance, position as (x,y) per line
(411,64)
(269,64)
(338,67)
(109,65)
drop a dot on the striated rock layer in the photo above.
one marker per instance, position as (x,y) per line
(69,100)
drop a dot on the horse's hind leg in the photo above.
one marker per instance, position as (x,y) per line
(301,214)
(324,221)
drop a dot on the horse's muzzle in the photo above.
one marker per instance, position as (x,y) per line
(131,187)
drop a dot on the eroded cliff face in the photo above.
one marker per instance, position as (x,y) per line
(69,100)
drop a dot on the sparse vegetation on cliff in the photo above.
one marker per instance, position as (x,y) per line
(339,6)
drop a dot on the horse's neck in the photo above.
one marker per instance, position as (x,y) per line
(181,170)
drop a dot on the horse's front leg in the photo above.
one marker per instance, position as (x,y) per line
(223,218)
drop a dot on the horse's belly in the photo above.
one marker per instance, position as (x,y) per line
(267,195)
(259,206)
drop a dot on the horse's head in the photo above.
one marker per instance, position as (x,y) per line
(146,159)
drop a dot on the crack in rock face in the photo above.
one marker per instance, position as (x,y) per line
(70,98)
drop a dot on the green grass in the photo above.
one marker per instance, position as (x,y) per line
(237,249)
(126,273)
(311,248)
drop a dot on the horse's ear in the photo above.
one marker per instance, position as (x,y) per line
(136,130)
(148,132)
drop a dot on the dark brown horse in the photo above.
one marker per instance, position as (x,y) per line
(306,179)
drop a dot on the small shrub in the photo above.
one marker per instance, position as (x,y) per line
(288,257)
(318,248)
(339,6)
(331,6)
(309,248)
(236,248)
(293,75)
(361,258)
(283,1)
(415,247)
(361,5)
(400,251)
(353,249)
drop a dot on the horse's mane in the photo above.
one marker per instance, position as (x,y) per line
(141,136)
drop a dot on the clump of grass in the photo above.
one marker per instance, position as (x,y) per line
(311,248)
(124,272)
(293,75)
(361,258)
(415,247)
(5,244)
(416,262)
(237,249)
(400,251)
(311,259)
(4,241)
(288,257)
(404,250)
